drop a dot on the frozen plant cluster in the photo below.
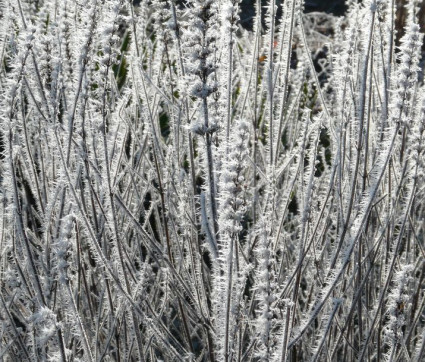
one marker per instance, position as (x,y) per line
(174,187)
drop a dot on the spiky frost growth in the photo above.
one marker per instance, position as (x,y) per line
(342,65)
(398,307)
(232,181)
(266,323)
(200,40)
(406,75)
(327,322)
(229,276)
(418,129)
(269,41)
(266,320)
(229,18)
(45,325)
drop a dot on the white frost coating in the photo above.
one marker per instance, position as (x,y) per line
(176,185)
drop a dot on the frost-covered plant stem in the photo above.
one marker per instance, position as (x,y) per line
(360,130)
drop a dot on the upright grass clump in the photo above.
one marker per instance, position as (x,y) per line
(176,187)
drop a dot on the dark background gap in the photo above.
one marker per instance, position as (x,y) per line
(336,7)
